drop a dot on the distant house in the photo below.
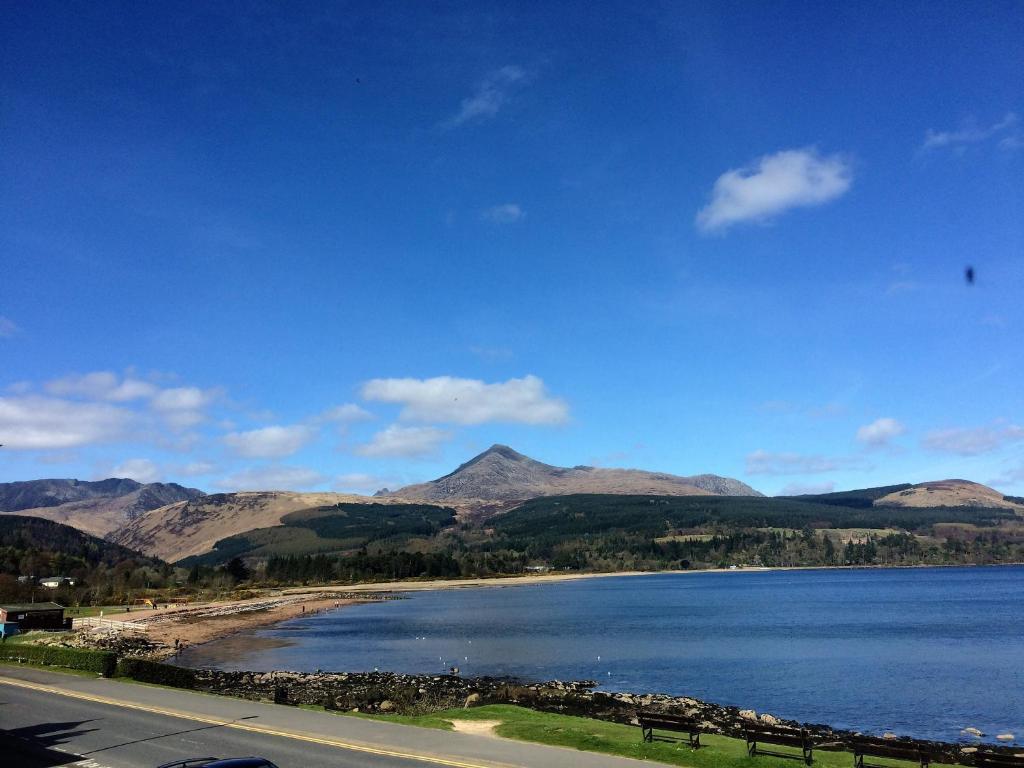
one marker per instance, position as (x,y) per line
(53,582)
(33,616)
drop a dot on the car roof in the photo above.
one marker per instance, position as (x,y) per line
(213,762)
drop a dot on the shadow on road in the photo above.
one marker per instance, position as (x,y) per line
(51,734)
(159,736)
(26,755)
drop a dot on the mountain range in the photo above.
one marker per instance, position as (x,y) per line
(173,522)
(95,507)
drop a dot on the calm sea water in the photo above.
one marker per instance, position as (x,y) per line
(922,652)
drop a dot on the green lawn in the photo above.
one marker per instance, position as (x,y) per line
(93,610)
(612,738)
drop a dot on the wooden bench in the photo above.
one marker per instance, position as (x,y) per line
(999,758)
(650,720)
(782,736)
(867,746)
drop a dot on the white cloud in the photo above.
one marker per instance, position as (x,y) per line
(799,489)
(360,482)
(37,422)
(270,442)
(183,407)
(972,133)
(272,478)
(972,441)
(7,328)
(101,385)
(409,442)
(880,432)
(768,463)
(506,213)
(346,413)
(139,470)
(196,469)
(488,98)
(773,184)
(469,401)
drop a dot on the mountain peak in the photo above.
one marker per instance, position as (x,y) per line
(503,474)
(504,452)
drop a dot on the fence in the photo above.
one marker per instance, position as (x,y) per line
(110,625)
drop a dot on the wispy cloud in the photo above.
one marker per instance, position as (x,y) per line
(346,413)
(1006,130)
(273,442)
(1012,476)
(272,478)
(36,422)
(973,441)
(487,100)
(197,469)
(405,442)
(7,328)
(762,462)
(101,385)
(880,432)
(470,401)
(773,184)
(97,407)
(506,213)
(183,407)
(800,489)
(360,482)
(139,470)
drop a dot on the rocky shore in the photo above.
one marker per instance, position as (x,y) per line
(384,692)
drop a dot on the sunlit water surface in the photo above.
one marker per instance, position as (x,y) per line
(923,652)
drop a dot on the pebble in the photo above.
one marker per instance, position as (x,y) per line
(1006,737)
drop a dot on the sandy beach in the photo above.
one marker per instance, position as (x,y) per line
(177,627)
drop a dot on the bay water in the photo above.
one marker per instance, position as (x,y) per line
(923,652)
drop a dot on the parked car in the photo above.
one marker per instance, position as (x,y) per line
(220,762)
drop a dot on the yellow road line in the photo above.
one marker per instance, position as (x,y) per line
(244,726)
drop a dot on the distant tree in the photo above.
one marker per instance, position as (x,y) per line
(237,569)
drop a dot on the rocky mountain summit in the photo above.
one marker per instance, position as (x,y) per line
(501,473)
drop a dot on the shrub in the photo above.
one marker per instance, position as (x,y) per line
(101,662)
(154,672)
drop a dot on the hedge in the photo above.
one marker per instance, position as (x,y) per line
(154,672)
(101,662)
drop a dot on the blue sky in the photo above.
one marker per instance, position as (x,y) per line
(335,247)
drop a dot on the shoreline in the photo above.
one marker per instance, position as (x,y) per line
(324,599)
(550,578)
(164,626)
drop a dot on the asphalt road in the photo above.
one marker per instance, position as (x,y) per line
(105,736)
(49,719)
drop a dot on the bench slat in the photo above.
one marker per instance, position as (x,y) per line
(897,751)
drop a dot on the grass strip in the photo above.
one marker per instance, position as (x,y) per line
(591,735)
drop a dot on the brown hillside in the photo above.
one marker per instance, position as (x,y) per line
(949,493)
(192,527)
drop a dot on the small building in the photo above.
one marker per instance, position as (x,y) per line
(34,616)
(53,582)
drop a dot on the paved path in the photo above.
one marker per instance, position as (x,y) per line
(97,723)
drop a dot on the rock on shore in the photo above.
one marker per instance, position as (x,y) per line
(417,694)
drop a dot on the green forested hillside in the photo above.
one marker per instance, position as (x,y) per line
(341,528)
(37,548)
(610,533)
(655,516)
